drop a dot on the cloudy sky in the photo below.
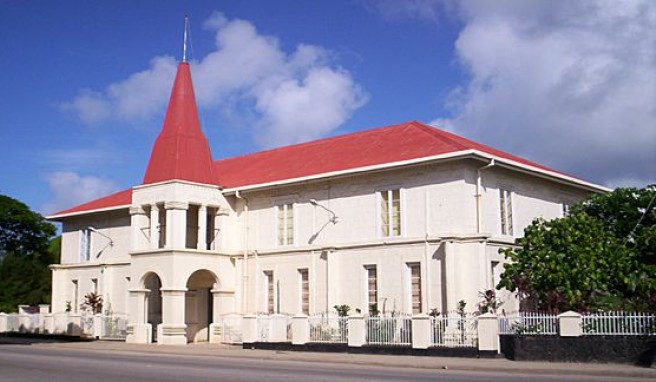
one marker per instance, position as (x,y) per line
(571,85)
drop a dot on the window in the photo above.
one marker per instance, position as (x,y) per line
(415,287)
(268,275)
(75,296)
(285,224)
(565,209)
(161,226)
(94,284)
(390,212)
(495,274)
(505,204)
(305,291)
(372,288)
(85,245)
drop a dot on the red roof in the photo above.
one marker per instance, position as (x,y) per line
(406,141)
(121,198)
(181,150)
(390,144)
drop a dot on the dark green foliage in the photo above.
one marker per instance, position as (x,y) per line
(26,250)
(601,256)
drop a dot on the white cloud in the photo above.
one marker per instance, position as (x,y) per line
(406,9)
(294,96)
(568,84)
(70,189)
(91,107)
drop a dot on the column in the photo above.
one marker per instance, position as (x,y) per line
(137,222)
(202,227)
(173,317)
(176,224)
(154,222)
(139,331)
(488,333)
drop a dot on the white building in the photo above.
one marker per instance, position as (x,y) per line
(406,217)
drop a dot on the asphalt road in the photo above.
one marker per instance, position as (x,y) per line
(30,363)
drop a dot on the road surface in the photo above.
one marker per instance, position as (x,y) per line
(34,363)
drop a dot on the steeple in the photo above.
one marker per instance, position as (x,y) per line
(181,150)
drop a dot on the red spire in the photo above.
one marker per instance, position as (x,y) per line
(181,150)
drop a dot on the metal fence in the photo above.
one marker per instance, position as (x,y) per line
(619,323)
(328,328)
(114,327)
(454,330)
(231,328)
(528,323)
(267,324)
(389,330)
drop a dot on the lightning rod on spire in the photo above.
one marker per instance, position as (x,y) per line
(184,43)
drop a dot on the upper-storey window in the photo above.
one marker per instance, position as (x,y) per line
(85,245)
(390,212)
(285,223)
(506,209)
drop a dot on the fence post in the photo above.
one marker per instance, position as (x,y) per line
(74,325)
(570,324)
(356,331)
(278,328)
(3,323)
(488,332)
(216,332)
(421,332)
(300,330)
(98,326)
(249,330)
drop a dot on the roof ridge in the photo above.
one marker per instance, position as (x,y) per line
(318,141)
(439,133)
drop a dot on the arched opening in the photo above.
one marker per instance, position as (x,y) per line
(199,305)
(153,283)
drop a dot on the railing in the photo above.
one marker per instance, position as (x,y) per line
(114,327)
(619,323)
(231,328)
(274,328)
(528,323)
(328,328)
(393,330)
(454,330)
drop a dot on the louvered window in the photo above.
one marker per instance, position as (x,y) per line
(390,212)
(285,224)
(415,287)
(506,208)
(305,291)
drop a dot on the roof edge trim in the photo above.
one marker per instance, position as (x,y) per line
(562,178)
(87,212)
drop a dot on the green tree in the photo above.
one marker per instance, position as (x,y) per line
(599,257)
(26,250)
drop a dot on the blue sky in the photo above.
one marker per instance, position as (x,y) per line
(85,84)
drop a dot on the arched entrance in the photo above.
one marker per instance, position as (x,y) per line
(199,305)
(153,283)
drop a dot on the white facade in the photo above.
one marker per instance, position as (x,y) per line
(261,240)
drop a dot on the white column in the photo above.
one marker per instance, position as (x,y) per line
(139,331)
(137,222)
(202,227)
(176,224)
(173,317)
(154,222)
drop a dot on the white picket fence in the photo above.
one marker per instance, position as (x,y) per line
(274,328)
(394,330)
(231,328)
(100,326)
(454,330)
(528,323)
(619,323)
(328,328)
